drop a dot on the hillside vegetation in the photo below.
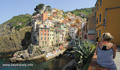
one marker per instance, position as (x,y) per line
(15,23)
(82,12)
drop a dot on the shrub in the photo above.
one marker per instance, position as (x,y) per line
(83,52)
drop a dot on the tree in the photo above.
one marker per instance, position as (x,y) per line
(35,13)
(39,8)
(48,8)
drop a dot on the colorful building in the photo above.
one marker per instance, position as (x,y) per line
(43,36)
(108,18)
(73,31)
(45,16)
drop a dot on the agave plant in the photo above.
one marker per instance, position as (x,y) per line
(83,51)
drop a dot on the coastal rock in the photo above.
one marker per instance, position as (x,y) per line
(15,41)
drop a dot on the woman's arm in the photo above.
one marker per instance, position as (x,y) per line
(114,51)
(96,48)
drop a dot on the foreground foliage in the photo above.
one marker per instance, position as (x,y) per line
(83,52)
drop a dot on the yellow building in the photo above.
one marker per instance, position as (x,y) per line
(108,18)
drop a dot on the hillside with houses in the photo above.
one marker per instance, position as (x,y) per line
(16,32)
(46,34)
(52,29)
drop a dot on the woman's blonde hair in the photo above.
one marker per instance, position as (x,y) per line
(107,36)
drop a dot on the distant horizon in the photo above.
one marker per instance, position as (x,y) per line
(13,8)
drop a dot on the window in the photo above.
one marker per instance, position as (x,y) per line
(45,26)
(95,13)
(41,38)
(97,21)
(100,18)
(45,42)
(97,5)
(100,3)
(99,33)
(104,22)
(45,38)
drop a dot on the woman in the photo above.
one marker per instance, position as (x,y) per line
(106,52)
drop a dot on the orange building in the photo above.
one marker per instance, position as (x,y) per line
(43,37)
(45,16)
(108,18)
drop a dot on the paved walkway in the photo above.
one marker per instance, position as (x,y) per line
(117,60)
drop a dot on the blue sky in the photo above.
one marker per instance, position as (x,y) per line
(10,8)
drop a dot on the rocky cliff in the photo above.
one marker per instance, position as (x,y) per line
(15,41)
(15,33)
